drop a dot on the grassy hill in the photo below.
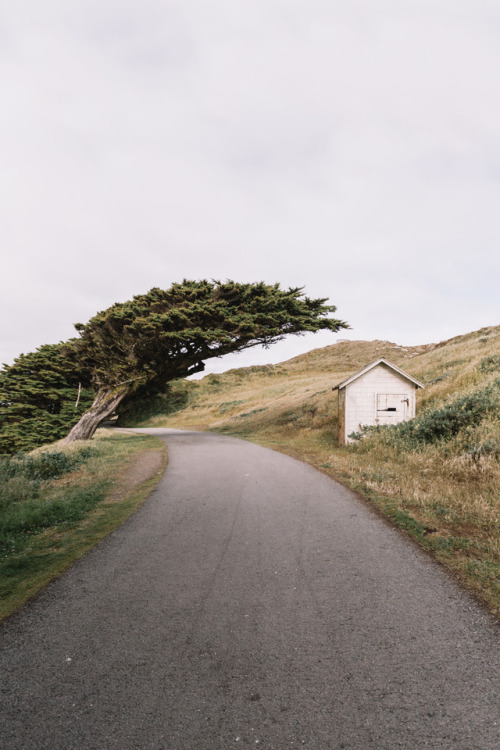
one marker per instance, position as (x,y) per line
(439,483)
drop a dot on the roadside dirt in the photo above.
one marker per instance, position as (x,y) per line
(145,466)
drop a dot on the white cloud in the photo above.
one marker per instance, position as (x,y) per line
(349,146)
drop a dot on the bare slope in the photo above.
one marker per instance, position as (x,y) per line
(445,493)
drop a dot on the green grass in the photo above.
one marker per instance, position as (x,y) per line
(57,504)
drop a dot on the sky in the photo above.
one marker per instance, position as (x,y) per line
(348,146)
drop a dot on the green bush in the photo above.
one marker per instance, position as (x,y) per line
(490,364)
(440,424)
(49,465)
(149,401)
(487,448)
(22,477)
(229,406)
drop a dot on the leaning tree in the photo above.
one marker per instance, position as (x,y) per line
(168,334)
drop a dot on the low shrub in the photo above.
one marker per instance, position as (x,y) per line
(254,411)
(487,448)
(47,465)
(226,406)
(490,364)
(22,477)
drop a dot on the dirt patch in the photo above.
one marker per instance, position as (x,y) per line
(144,466)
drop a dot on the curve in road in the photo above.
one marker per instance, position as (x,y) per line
(250,601)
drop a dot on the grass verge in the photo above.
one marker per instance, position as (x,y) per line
(57,503)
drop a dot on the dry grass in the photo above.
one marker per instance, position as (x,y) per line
(444,498)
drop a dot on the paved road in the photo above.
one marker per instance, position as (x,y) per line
(250,602)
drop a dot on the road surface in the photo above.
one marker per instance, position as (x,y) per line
(253,602)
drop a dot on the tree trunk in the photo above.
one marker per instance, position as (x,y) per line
(105,402)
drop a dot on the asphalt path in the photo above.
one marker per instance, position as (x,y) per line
(250,601)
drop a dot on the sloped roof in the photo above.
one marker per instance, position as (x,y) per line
(380,361)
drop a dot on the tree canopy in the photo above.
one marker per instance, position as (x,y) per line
(168,334)
(135,348)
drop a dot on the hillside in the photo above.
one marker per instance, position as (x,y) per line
(442,491)
(297,394)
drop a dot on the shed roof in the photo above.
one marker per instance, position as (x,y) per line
(380,361)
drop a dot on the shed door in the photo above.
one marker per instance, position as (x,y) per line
(392,408)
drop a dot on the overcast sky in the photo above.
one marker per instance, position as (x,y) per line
(350,146)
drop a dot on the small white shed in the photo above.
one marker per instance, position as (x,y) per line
(379,393)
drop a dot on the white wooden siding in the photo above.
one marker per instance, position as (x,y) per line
(341,416)
(362,394)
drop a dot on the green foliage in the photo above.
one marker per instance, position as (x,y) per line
(24,507)
(441,424)
(150,400)
(289,416)
(404,520)
(38,395)
(49,465)
(253,411)
(487,448)
(32,516)
(168,334)
(229,405)
(490,364)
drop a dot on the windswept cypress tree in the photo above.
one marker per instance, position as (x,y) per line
(168,334)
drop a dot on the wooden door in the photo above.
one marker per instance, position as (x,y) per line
(392,408)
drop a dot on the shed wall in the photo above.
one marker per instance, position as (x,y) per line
(342,416)
(361,397)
